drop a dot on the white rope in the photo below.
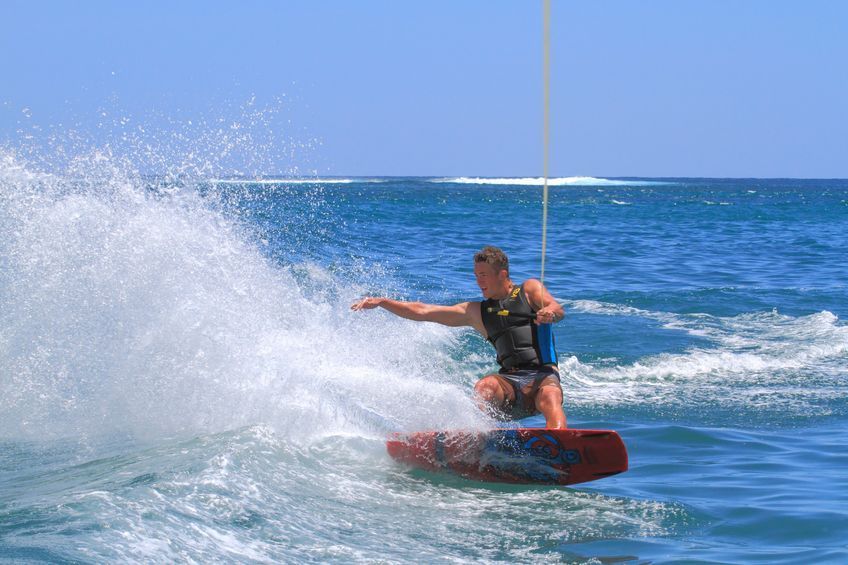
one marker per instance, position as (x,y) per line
(546,65)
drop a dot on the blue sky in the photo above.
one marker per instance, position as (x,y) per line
(654,88)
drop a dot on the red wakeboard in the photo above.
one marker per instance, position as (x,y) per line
(519,455)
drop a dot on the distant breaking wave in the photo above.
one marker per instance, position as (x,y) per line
(298,181)
(539,181)
(506,181)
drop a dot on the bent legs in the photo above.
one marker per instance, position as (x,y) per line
(494,393)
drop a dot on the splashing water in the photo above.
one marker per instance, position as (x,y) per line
(129,306)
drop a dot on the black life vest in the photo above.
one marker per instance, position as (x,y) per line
(518,341)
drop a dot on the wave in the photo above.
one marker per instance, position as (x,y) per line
(762,362)
(539,181)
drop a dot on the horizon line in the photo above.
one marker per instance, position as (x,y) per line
(617,177)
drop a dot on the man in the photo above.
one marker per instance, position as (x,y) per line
(517,321)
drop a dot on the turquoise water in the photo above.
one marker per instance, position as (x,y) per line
(181,378)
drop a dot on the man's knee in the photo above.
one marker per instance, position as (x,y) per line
(488,388)
(549,395)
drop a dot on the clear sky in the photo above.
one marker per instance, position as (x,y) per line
(722,88)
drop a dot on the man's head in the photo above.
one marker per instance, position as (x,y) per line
(491,268)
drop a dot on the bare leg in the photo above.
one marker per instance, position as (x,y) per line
(492,393)
(549,402)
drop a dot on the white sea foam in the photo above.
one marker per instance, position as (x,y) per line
(822,331)
(610,309)
(762,360)
(539,181)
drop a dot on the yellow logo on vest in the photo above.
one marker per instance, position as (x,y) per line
(515,292)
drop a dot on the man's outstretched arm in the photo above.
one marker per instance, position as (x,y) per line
(461,314)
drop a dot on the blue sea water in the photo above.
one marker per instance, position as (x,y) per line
(181,378)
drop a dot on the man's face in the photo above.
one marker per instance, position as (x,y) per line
(488,279)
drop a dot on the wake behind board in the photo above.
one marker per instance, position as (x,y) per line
(515,455)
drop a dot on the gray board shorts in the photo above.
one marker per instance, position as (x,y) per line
(520,378)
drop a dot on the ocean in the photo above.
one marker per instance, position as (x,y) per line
(182,380)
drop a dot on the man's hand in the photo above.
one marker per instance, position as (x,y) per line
(366,303)
(549,310)
(546,315)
